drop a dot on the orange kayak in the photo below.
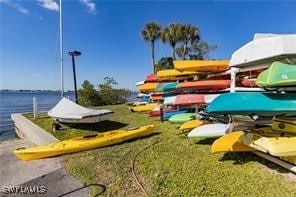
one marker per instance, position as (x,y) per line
(205,85)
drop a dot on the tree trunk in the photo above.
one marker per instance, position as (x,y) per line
(174,51)
(184,50)
(153,59)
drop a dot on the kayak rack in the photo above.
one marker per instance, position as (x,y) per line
(277,161)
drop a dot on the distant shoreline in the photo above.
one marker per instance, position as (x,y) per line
(34,90)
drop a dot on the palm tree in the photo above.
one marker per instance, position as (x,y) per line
(151,33)
(189,33)
(172,34)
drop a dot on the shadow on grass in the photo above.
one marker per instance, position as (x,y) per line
(241,158)
(206,141)
(98,127)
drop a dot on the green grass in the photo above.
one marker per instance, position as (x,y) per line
(172,167)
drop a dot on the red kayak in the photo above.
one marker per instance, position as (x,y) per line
(248,83)
(189,99)
(205,85)
(156,97)
(151,78)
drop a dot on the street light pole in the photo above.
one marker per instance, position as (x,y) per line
(74,53)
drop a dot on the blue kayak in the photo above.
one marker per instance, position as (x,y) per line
(254,103)
(167,115)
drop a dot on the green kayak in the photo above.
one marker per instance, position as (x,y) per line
(181,118)
(277,75)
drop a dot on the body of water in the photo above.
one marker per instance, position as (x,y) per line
(16,102)
(19,102)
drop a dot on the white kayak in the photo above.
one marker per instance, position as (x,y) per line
(209,130)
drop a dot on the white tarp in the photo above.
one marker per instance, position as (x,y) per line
(265,48)
(67,109)
(170,100)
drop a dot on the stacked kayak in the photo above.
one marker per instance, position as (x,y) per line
(230,143)
(284,124)
(182,117)
(201,65)
(189,99)
(278,75)
(249,103)
(169,114)
(189,125)
(209,130)
(82,143)
(175,74)
(205,85)
(148,87)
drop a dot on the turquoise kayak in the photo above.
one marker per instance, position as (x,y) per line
(160,86)
(170,87)
(181,118)
(254,103)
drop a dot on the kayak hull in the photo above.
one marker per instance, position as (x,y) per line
(181,118)
(189,125)
(209,130)
(82,143)
(205,85)
(201,65)
(278,75)
(189,99)
(230,143)
(250,103)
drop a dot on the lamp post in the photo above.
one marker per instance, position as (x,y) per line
(74,53)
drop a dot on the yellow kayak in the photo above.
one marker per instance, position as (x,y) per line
(189,125)
(144,108)
(148,87)
(82,143)
(174,73)
(271,142)
(201,65)
(284,124)
(291,159)
(230,143)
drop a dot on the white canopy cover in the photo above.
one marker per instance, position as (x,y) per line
(68,111)
(264,49)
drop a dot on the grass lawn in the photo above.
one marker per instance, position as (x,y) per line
(174,166)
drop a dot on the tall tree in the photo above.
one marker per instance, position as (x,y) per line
(172,35)
(189,33)
(151,33)
(200,50)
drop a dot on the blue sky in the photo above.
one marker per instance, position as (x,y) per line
(108,35)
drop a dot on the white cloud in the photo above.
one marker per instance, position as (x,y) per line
(49,4)
(90,6)
(16,6)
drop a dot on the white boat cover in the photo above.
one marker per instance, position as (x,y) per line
(264,49)
(170,100)
(140,83)
(67,109)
